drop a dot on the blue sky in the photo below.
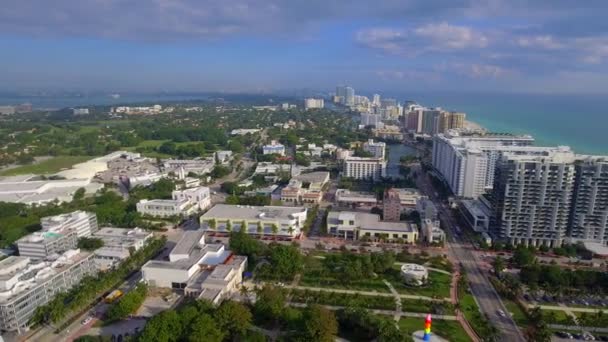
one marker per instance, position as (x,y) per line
(535,46)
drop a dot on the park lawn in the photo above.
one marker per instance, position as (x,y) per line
(450,330)
(557,316)
(438,286)
(48,166)
(371,285)
(519,316)
(426,306)
(343,299)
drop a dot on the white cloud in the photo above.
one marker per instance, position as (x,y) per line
(545,42)
(446,37)
(431,37)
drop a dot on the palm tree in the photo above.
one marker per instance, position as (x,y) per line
(290,230)
(244,292)
(275,230)
(228,226)
(260,229)
(243,226)
(212,224)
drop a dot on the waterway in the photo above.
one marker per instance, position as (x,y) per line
(395,152)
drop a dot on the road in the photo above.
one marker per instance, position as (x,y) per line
(460,250)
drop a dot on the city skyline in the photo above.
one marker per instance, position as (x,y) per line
(248,46)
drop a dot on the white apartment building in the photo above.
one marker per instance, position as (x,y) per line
(258,220)
(26,284)
(183,203)
(376,148)
(40,245)
(532,198)
(203,271)
(364,168)
(118,243)
(82,222)
(409,197)
(274,148)
(468,163)
(312,103)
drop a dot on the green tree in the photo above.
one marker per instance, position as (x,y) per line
(212,224)
(90,243)
(285,261)
(204,328)
(498,265)
(320,324)
(523,256)
(270,303)
(233,317)
(79,194)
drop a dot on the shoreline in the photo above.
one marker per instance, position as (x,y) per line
(472,125)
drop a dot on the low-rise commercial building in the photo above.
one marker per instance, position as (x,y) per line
(347,198)
(183,203)
(355,225)
(274,148)
(186,166)
(26,284)
(258,220)
(29,189)
(118,244)
(476,213)
(306,188)
(203,271)
(430,232)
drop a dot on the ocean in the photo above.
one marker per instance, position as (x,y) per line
(579,121)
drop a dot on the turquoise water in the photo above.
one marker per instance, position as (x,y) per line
(579,121)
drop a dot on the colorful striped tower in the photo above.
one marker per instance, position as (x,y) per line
(427,328)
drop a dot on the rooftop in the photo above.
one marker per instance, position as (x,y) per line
(369,221)
(239,212)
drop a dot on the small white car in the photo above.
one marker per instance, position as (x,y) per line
(86,320)
(501,313)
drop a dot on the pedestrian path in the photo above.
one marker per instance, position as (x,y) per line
(382,312)
(398,312)
(369,293)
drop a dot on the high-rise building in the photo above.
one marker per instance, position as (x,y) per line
(391,205)
(364,168)
(467,163)
(376,100)
(443,122)
(589,214)
(414,121)
(430,121)
(532,197)
(311,103)
(385,103)
(457,120)
(376,148)
(349,96)
(341,91)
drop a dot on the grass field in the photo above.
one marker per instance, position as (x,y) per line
(518,315)
(438,284)
(46,167)
(450,330)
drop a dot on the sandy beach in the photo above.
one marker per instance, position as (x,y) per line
(474,126)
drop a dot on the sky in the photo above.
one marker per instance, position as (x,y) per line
(529,46)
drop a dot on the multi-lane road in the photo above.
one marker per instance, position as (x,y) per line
(459,249)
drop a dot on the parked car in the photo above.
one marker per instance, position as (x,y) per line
(86,320)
